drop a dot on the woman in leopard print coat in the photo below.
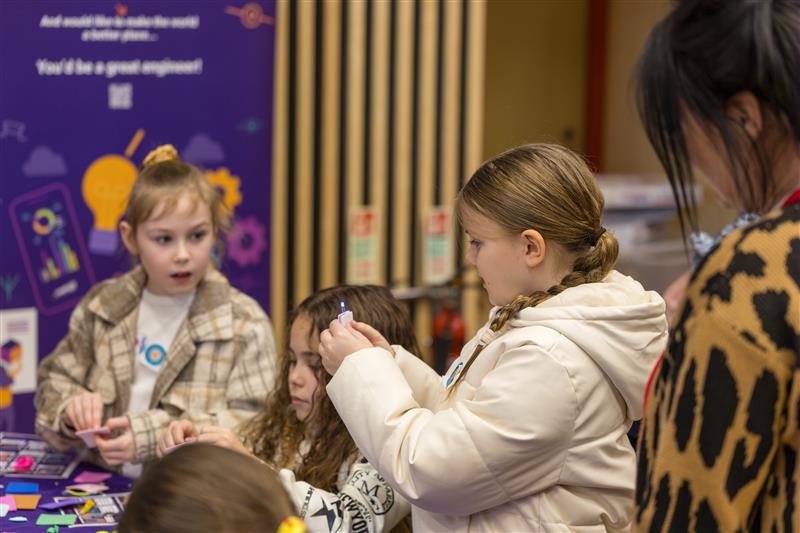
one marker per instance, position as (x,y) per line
(719,93)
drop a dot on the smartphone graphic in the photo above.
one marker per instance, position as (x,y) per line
(52,249)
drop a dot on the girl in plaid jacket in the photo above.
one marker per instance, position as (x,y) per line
(170,339)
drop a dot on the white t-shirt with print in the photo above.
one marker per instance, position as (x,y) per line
(159,320)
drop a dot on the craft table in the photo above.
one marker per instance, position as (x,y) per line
(50,488)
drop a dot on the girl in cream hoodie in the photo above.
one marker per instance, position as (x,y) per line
(527,430)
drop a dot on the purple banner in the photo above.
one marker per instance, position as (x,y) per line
(87,88)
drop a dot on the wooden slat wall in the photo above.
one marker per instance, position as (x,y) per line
(376,103)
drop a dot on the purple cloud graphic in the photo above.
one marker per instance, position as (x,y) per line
(203,149)
(43,162)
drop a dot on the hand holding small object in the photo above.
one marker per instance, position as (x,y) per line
(337,342)
(89,436)
(345,316)
(84,411)
(120,449)
(177,433)
(373,335)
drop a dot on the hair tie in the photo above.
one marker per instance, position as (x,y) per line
(165,152)
(292,524)
(592,239)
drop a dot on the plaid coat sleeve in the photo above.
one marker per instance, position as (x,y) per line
(62,376)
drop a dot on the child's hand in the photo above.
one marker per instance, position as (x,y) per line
(222,437)
(373,335)
(177,432)
(117,450)
(84,411)
(337,342)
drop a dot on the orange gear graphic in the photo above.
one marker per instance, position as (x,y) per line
(229,184)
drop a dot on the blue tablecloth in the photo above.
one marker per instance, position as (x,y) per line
(50,488)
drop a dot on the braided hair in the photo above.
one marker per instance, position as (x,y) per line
(548,188)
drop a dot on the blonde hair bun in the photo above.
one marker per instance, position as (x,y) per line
(165,152)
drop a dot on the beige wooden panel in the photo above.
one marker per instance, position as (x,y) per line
(303,239)
(451,102)
(356,42)
(474,299)
(330,120)
(379,82)
(331,73)
(425,137)
(279,169)
(426,144)
(404,58)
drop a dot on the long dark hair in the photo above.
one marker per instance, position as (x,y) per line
(275,433)
(701,54)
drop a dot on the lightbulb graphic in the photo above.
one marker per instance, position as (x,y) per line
(106,185)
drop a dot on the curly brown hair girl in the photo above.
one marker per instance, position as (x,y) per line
(300,432)
(275,434)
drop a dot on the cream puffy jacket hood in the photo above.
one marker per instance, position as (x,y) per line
(534,438)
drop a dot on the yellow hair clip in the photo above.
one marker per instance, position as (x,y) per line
(292,524)
(165,152)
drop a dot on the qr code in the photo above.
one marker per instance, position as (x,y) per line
(120,96)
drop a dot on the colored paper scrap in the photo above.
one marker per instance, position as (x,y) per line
(91,488)
(9,500)
(61,503)
(19,487)
(56,519)
(27,501)
(89,436)
(88,476)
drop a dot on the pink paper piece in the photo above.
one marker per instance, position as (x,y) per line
(89,435)
(91,488)
(88,476)
(10,501)
(23,462)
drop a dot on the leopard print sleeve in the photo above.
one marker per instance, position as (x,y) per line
(720,437)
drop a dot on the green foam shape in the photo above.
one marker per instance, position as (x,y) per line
(56,519)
